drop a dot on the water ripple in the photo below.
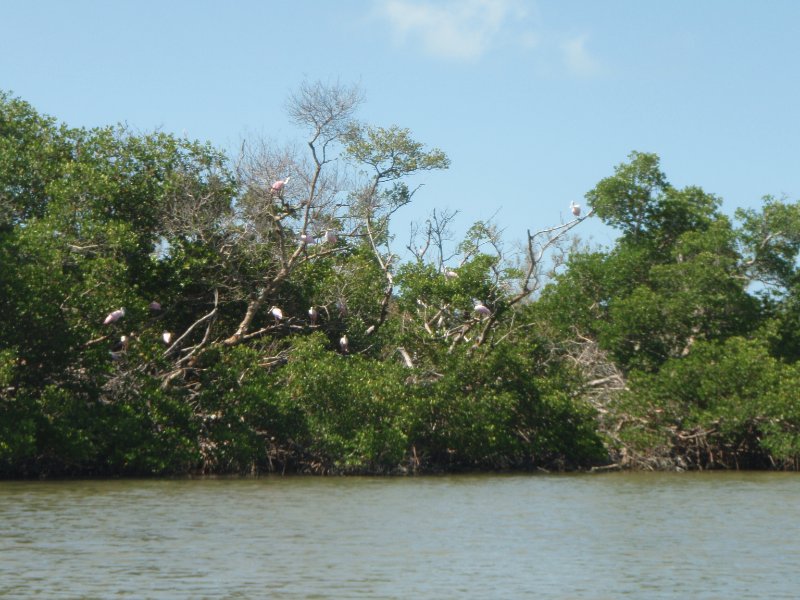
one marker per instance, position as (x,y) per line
(705,536)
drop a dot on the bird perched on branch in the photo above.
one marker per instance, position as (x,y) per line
(121,345)
(114,316)
(344,344)
(277,186)
(277,314)
(313,315)
(482,310)
(331,237)
(307,239)
(575,208)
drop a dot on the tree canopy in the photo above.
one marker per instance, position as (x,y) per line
(168,309)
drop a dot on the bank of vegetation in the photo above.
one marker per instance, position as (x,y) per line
(166,309)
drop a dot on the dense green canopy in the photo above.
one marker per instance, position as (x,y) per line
(677,347)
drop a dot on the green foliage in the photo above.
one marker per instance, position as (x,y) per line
(352,408)
(770,240)
(732,395)
(504,410)
(212,382)
(32,153)
(628,199)
(639,200)
(391,152)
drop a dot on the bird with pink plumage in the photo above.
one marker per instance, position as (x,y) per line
(114,316)
(482,310)
(279,185)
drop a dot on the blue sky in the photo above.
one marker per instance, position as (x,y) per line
(534,101)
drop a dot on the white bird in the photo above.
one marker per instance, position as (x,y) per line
(450,274)
(121,345)
(331,237)
(482,310)
(575,208)
(313,314)
(167,337)
(344,344)
(113,316)
(277,313)
(277,186)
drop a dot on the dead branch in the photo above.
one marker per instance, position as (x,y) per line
(191,328)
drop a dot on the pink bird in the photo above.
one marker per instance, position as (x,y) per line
(313,314)
(482,310)
(155,306)
(114,316)
(450,274)
(331,237)
(277,187)
(575,208)
(305,238)
(277,313)
(344,344)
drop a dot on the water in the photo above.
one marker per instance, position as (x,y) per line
(703,535)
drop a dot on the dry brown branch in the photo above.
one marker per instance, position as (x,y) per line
(203,319)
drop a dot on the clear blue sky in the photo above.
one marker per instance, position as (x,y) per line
(534,101)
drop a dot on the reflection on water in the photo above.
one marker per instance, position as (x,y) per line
(704,535)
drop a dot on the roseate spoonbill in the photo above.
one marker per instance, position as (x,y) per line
(155,306)
(575,208)
(277,313)
(313,314)
(305,238)
(344,344)
(167,337)
(331,237)
(277,186)
(450,274)
(113,316)
(482,310)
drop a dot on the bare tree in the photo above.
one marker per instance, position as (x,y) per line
(514,276)
(292,218)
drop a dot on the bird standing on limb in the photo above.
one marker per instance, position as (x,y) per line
(114,316)
(482,309)
(279,185)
